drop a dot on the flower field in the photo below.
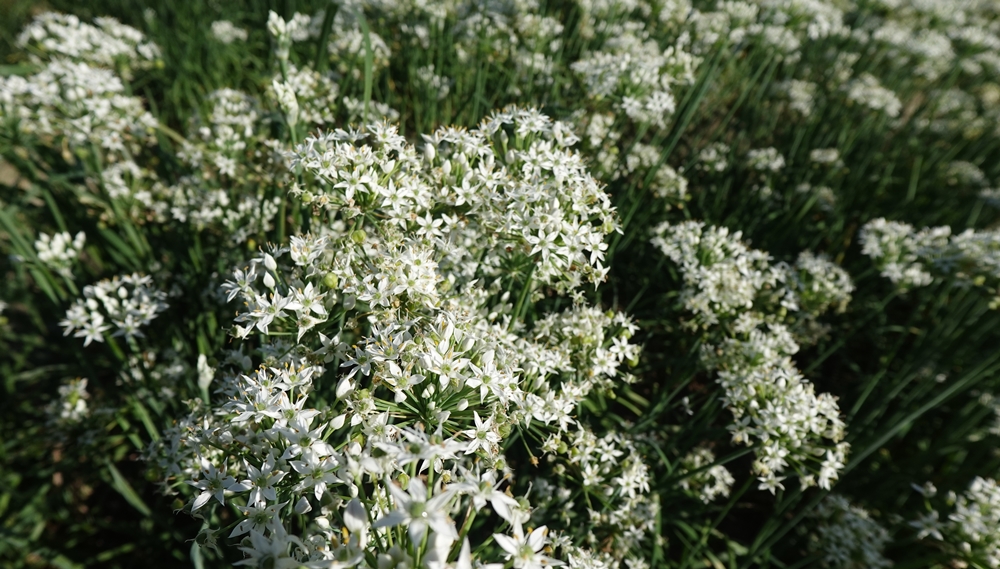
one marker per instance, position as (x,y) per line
(508,284)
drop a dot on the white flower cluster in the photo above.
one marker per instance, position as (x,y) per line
(71,407)
(284,33)
(741,298)
(419,369)
(971,530)
(976,519)
(714,157)
(226,155)
(316,95)
(84,105)
(825,156)
(611,468)
(846,536)
(60,251)
(723,277)
(638,75)
(704,479)
(227,32)
(535,205)
(819,284)
(961,172)
(801,95)
(107,43)
(867,91)
(911,258)
(928,52)
(896,249)
(123,303)
(433,83)
(766,160)
(781,26)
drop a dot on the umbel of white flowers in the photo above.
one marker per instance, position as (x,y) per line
(740,299)
(397,311)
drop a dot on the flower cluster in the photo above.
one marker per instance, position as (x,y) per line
(517,198)
(973,524)
(866,91)
(766,160)
(639,75)
(71,407)
(123,304)
(106,43)
(59,252)
(394,379)
(846,536)
(705,479)
(315,96)
(969,533)
(83,105)
(227,32)
(740,298)
(912,258)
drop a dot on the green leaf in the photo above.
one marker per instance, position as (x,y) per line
(125,489)
(369,61)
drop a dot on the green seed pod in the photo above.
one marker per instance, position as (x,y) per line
(358,236)
(503,430)
(330,280)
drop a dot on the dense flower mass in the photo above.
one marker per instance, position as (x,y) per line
(58,252)
(734,292)
(105,43)
(401,284)
(847,536)
(510,284)
(969,532)
(82,104)
(911,258)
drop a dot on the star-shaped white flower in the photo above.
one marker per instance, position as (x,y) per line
(523,549)
(419,512)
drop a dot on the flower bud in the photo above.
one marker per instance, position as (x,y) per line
(303,506)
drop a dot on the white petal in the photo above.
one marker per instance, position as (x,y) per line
(201,500)
(355,517)
(536,539)
(506,542)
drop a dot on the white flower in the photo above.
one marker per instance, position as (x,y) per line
(213,484)
(523,549)
(485,489)
(484,436)
(419,512)
(227,32)
(260,482)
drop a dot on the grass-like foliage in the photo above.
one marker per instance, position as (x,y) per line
(511,284)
